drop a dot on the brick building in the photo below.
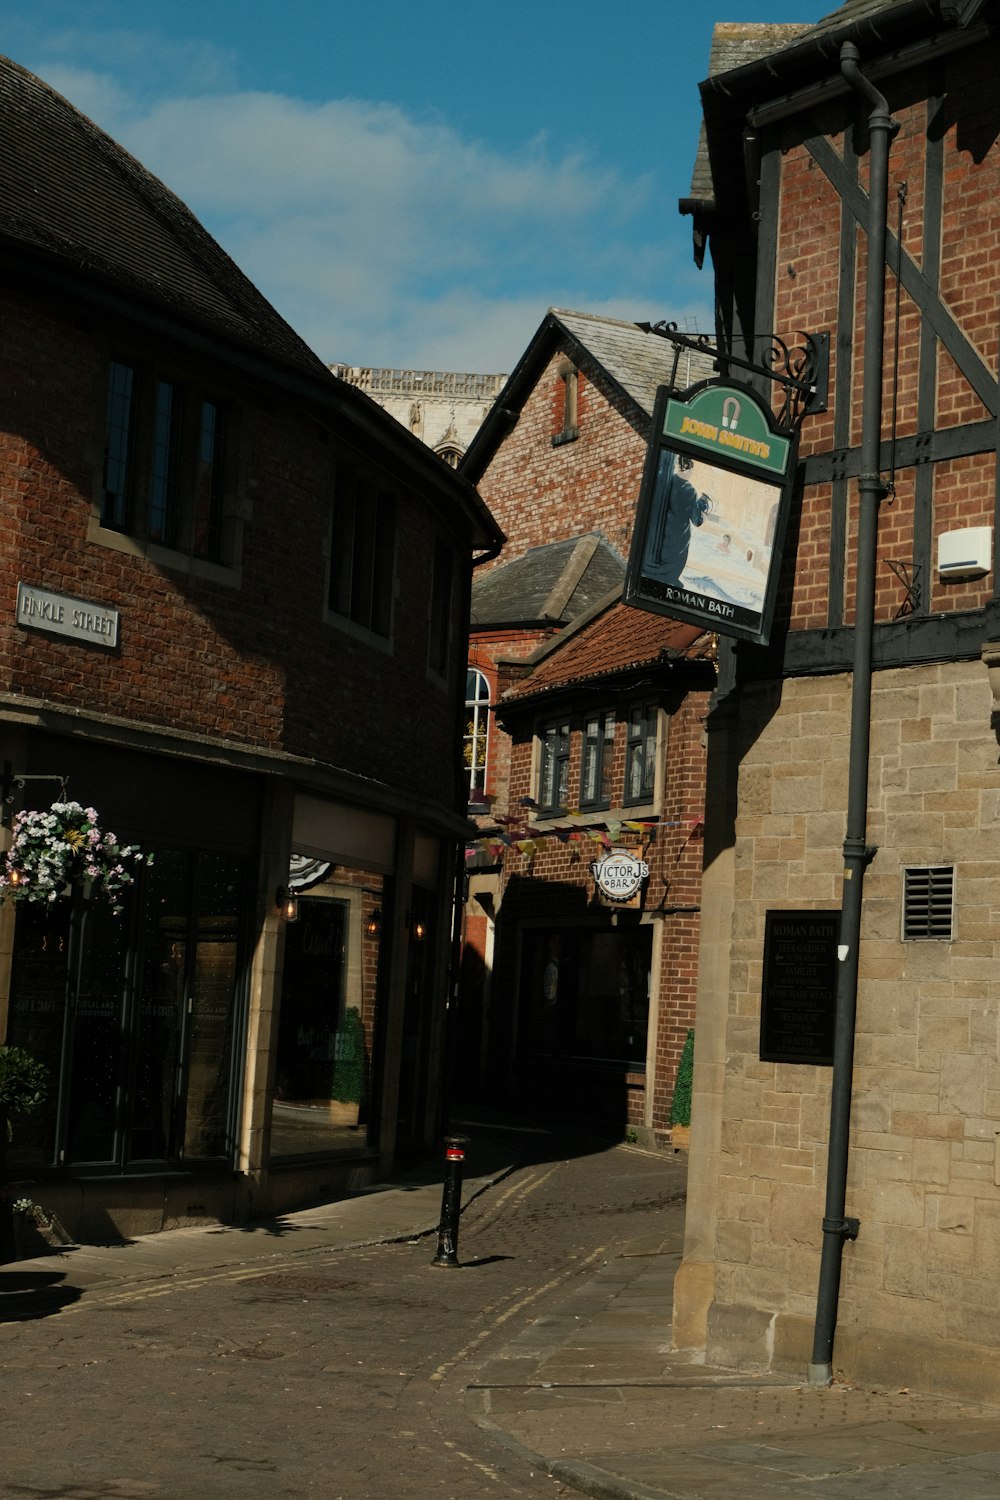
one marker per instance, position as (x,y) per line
(789,243)
(235,594)
(583,736)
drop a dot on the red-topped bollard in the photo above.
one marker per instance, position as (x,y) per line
(451,1200)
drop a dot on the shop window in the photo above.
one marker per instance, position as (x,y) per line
(169,462)
(596,760)
(640,754)
(477,728)
(441,597)
(553,776)
(362,553)
(138,1016)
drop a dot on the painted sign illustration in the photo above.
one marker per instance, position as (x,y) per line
(711,517)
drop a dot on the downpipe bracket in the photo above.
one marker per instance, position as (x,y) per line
(847,1229)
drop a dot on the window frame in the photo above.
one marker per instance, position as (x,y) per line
(555,736)
(605,720)
(161,490)
(361,579)
(474,734)
(642,738)
(568,373)
(441,605)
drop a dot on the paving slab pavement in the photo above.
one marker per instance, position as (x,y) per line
(405,1208)
(594,1395)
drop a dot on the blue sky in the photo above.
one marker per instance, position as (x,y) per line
(413,185)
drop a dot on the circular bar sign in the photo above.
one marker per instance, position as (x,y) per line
(619,874)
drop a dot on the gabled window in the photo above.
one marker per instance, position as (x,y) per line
(168,462)
(440,623)
(640,753)
(553,777)
(362,553)
(477,730)
(596,758)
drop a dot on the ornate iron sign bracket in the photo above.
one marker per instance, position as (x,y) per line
(803,371)
(11,781)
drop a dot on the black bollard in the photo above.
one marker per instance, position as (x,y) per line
(451,1200)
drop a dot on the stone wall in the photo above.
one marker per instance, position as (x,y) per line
(918,1286)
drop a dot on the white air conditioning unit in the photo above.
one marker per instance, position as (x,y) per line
(967,553)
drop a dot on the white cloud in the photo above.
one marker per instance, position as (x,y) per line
(386,238)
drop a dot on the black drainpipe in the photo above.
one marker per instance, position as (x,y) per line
(857,854)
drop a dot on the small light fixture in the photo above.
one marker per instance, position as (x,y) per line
(419,931)
(14,875)
(373,923)
(288,904)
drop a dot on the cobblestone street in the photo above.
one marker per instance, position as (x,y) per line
(339,1373)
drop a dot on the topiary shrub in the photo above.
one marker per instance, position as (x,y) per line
(680,1108)
(347,1082)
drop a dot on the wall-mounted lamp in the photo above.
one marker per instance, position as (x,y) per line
(288,904)
(372,923)
(419,931)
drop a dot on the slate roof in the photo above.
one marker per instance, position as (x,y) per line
(78,212)
(625,356)
(635,360)
(526,591)
(620,640)
(72,195)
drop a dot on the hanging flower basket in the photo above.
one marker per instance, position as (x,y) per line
(50,850)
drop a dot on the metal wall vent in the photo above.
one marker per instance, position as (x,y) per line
(928,902)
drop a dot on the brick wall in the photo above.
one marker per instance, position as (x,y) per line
(806,296)
(540,494)
(253,661)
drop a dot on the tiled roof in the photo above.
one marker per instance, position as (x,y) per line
(620,639)
(68,192)
(518,592)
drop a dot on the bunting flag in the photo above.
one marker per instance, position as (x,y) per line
(606,834)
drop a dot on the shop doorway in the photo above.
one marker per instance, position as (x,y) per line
(583,1019)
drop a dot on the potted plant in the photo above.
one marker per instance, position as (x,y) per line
(347,1082)
(680,1108)
(23,1087)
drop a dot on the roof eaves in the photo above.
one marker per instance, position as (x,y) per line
(525,694)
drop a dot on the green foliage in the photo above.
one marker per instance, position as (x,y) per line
(680,1109)
(23,1082)
(348,1081)
(23,1085)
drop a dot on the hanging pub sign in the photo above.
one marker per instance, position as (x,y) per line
(712,511)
